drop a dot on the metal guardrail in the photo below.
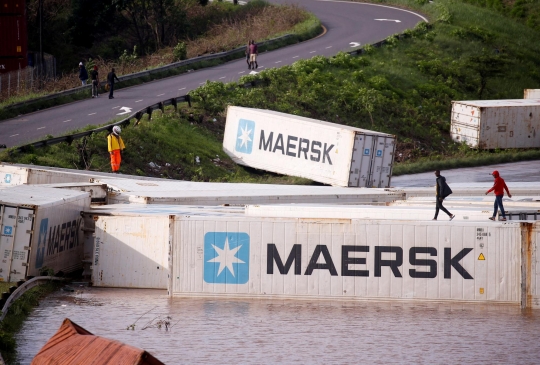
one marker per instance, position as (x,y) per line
(148,73)
(27,285)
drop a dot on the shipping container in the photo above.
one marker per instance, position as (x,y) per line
(40,228)
(321,151)
(171,192)
(531,94)
(347,259)
(518,189)
(17,174)
(98,192)
(14,37)
(491,124)
(12,7)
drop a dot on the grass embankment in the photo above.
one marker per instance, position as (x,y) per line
(404,88)
(227,27)
(17,314)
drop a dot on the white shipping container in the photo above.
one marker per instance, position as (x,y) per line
(321,151)
(346,259)
(531,94)
(490,124)
(124,191)
(40,227)
(473,190)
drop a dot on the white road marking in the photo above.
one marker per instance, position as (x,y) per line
(116,107)
(241,72)
(296,56)
(312,51)
(389,20)
(65,121)
(328,47)
(138,101)
(182,88)
(41,128)
(382,6)
(277,62)
(14,135)
(202,83)
(161,94)
(222,77)
(125,109)
(92,113)
(354,44)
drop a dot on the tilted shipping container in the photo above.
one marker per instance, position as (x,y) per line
(321,151)
(40,228)
(490,124)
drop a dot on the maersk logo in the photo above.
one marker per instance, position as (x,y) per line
(379,153)
(226,257)
(8,230)
(366,151)
(7,178)
(244,136)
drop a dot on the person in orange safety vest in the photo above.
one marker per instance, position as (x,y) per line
(115,145)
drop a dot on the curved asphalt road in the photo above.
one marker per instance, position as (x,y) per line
(346,23)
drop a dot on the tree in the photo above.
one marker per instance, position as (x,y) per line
(487,66)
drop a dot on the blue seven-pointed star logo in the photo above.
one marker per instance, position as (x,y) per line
(226,257)
(8,230)
(244,136)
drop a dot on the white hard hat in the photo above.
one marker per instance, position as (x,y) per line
(80,63)
(116,129)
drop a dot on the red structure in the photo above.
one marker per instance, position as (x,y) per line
(13,30)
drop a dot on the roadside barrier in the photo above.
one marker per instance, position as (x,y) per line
(23,288)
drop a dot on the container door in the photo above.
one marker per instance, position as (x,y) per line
(465,124)
(16,227)
(383,159)
(360,173)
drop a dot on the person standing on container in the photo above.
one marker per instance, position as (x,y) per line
(94,75)
(115,145)
(110,80)
(83,74)
(499,186)
(253,52)
(442,190)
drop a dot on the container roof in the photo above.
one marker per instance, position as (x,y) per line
(500,103)
(36,195)
(74,345)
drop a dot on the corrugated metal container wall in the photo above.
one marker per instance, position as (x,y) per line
(131,252)
(326,152)
(531,94)
(40,227)
(14,38)
(346,259)
(532,255)
(490,124)
(12,7)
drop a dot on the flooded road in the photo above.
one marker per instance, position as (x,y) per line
(235,331)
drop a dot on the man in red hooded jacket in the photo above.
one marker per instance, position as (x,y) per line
(498,188)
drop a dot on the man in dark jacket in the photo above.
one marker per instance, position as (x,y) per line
(83,74)
(442,191)
(110,80)
(499,186)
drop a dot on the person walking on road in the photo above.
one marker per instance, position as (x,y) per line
(83,74)
(248,55)
(115,145)
(499,186)
(94,75)
(442,190)
(253,52)
(110,80)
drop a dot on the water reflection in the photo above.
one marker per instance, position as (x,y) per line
(231,331)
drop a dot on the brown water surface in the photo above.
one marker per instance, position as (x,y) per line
(231,331)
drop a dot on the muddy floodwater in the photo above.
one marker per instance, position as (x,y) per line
(231,331)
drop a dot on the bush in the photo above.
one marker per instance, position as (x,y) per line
(180,52)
